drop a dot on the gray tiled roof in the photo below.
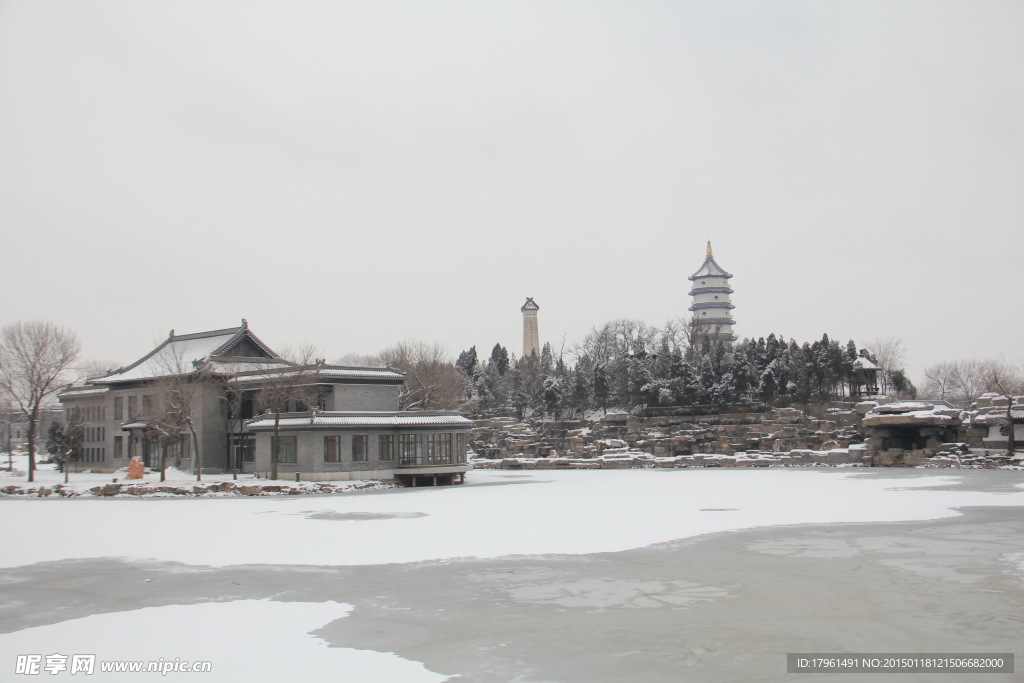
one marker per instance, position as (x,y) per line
(710,269)
(179,354)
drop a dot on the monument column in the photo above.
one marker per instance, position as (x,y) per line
(531,336)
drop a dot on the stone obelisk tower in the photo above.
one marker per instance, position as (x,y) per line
(712,309)
(531,337)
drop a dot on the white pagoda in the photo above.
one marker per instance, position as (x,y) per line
(711,307)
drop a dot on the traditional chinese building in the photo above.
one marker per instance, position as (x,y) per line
(343,421)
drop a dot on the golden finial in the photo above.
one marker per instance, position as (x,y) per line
(709,248)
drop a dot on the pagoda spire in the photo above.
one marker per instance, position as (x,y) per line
(709,249)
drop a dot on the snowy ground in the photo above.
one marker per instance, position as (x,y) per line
(79,483)
(507,576)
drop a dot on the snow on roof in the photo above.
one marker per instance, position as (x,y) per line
(710,269)
(176,355)
(83,391)
(530,305)
(363,419)
(230,366)
(180,354)
(865,363)
(326,371)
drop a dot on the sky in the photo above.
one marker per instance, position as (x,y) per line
(356,173)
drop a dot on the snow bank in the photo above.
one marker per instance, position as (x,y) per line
(196,633)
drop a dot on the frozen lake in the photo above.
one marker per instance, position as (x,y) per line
(650,575)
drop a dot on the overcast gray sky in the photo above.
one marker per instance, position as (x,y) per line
(357,173)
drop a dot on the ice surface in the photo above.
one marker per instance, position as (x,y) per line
(218,632)
(498,513)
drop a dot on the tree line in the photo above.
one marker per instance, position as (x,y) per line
(626,364)
(963,381)
(623,364)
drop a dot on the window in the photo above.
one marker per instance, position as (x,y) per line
(332,449)
(287,452)
(93,454)
(410,449)
(244,448)
(387,447)
(147,404)
(460,448)
(439,449)
(246,407)
(133,407)
(119,407)
(360,452)
(118,447)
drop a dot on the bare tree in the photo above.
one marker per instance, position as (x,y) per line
(6,416)
(969,380)
(35,359)
(92,368)
(940,379)
(233,393)
(178,388)
(889,355)
(359,359)
(291,389)
(432,382)
(1005,379)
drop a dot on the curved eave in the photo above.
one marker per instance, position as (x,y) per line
(702,289)
(712,304)
(710,269)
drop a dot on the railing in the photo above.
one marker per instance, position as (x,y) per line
(714,321)
(430,461)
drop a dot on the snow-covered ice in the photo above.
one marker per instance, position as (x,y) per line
(499,513)
(431,620)
(215,632)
